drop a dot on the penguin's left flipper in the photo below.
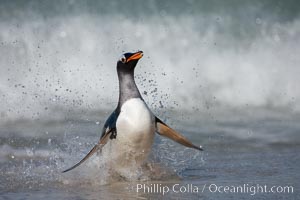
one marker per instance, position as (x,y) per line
(164,130)
(96,148)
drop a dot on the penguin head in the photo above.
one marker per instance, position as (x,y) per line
(128,61)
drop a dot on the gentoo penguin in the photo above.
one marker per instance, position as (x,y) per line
(130,129)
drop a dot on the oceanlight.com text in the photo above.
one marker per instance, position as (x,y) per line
(248,189)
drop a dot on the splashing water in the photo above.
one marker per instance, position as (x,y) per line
(41,167)
(69,61)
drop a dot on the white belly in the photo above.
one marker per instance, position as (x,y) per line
(135,134)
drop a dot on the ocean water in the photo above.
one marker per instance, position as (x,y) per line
(224,74)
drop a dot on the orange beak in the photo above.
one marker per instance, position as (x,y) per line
(135,56)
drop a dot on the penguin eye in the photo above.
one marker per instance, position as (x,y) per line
(123,59)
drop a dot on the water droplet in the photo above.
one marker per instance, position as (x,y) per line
(29,152)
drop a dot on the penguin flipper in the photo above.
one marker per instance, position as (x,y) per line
(164,130)
(97,147)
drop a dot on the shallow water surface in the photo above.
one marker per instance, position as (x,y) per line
(31,166)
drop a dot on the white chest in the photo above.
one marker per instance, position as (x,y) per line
(135,122)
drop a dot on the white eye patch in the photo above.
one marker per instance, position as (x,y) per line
(123,59)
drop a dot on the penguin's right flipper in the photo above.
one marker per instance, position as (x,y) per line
(164,130)
(97,147)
